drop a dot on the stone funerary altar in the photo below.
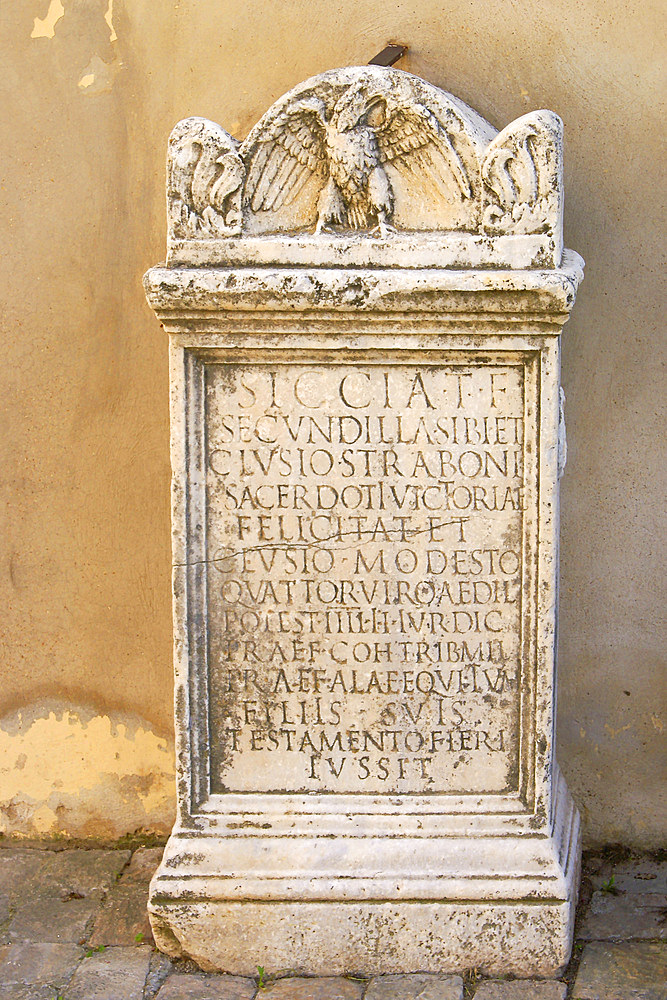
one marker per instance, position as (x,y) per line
(364,301)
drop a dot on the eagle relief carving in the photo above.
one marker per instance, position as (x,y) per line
(370,154)
(349,149)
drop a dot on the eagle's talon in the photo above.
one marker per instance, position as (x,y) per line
(324,226)
(383,230)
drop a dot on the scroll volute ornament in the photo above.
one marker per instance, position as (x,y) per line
(522,172)
(205,178)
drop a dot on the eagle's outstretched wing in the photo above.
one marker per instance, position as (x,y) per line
(415,136)
(291,150)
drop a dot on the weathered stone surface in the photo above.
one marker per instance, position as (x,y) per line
(59,902)
(248,934)
(160,969)
(521,989)
(18,866)
(44,918)
(72,873)
(16,992)
(324,988)
(415,987)
(637,877)
(192,987)
(429,751)
(366,444)
(114,974)
(35,964)
(627,971)
(142,866)
(629,914)
(123,918)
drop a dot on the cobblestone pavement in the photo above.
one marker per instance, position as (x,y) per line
(73,926)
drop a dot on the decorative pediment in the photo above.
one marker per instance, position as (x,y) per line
(368,166)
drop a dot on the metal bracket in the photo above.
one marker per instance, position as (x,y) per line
(389,55)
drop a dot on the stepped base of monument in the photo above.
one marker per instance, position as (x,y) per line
(503,903)
(365,939)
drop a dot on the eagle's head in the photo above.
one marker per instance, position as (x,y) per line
(359,106)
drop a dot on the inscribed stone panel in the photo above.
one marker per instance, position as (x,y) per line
(364,541)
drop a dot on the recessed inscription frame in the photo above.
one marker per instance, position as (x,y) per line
(357,366)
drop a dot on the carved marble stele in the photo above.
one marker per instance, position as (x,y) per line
(364,300)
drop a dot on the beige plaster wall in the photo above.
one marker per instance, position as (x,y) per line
(89,92)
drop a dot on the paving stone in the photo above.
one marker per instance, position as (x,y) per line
(420,986)
(35,964)
(182,986)
(638,876)
(53,920)
(114,974)
(591,864)
(77,872)
(17,992)
(521,990)
(123,918)
(142,866)
(18,866)
(326,988)
(626,971)
(161,966)
(624,916)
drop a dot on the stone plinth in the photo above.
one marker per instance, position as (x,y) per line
(364,303)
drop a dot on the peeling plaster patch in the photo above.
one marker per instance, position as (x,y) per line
(108,17)
(98,77)
(657,723)
(72,772)
(47,27)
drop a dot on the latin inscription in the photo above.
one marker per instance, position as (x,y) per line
(364,571)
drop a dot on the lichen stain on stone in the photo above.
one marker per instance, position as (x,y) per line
(68,771)
(616,732)
(46,27)
(248,824)
(657,723)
